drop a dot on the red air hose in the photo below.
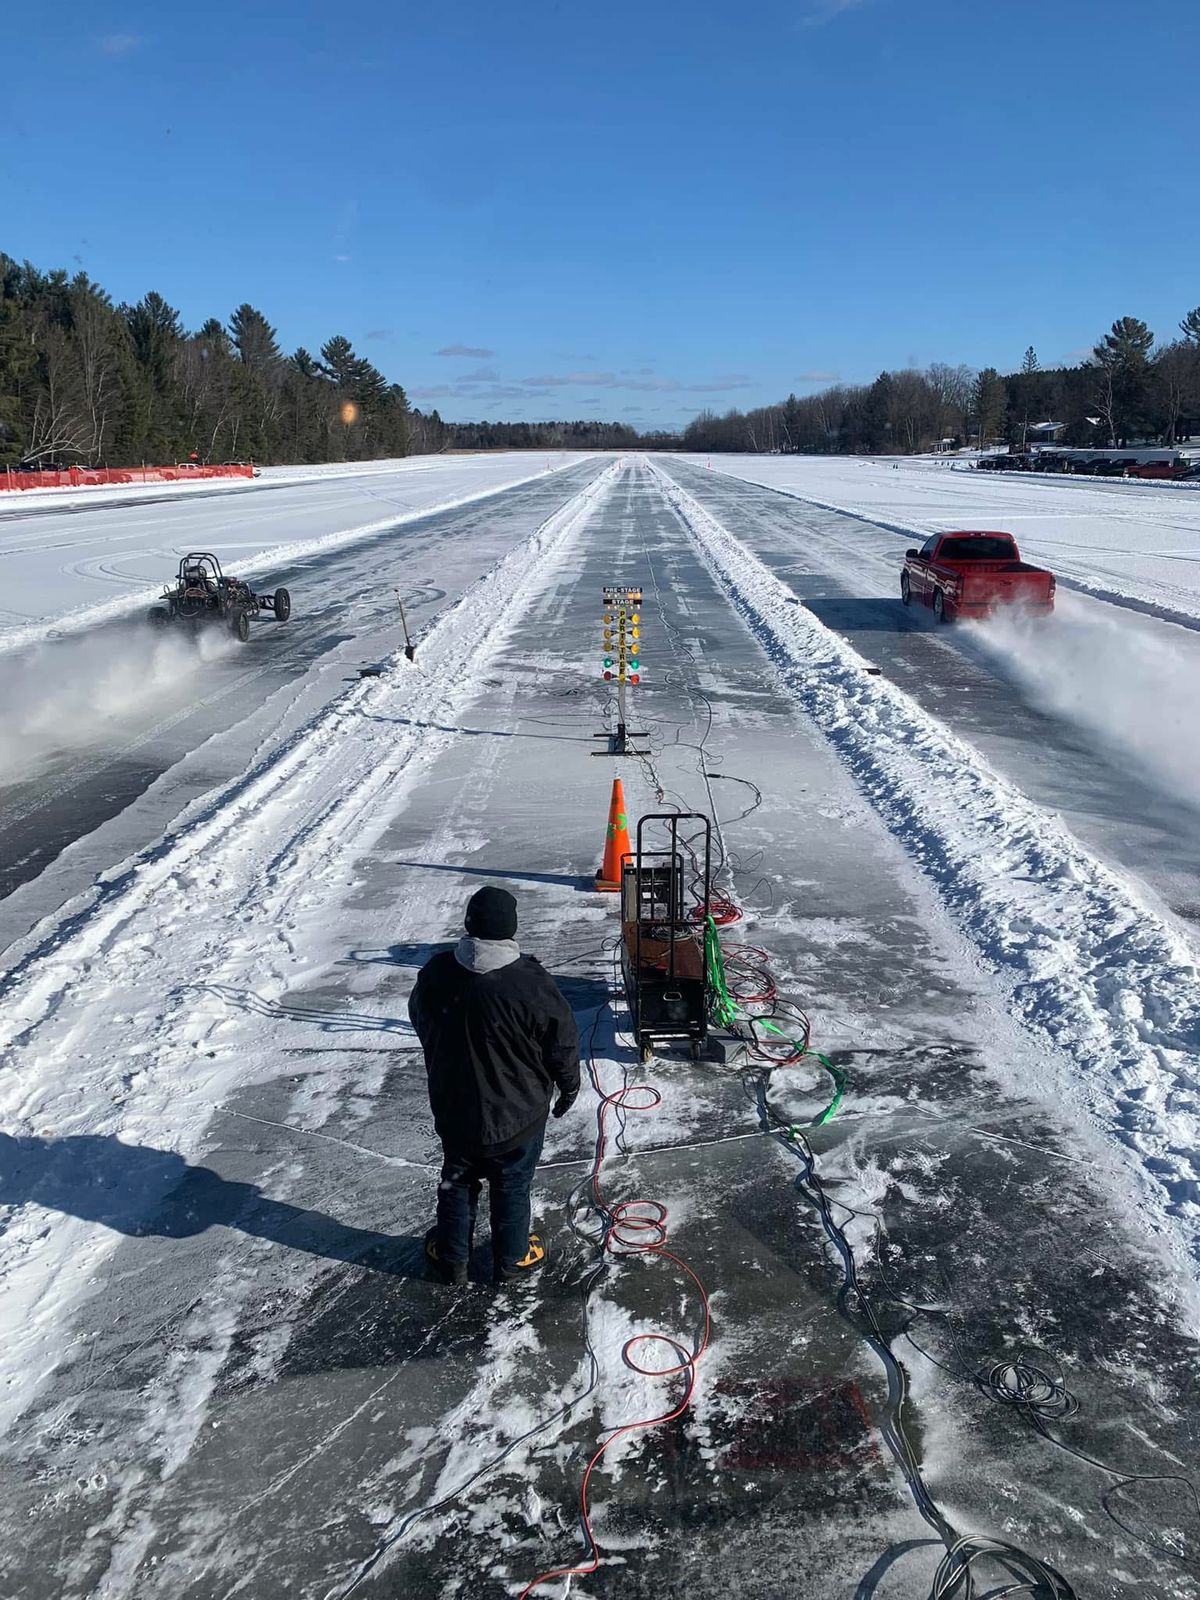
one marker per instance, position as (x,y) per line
(634,1227)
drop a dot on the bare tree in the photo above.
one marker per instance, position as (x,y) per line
(95,335)
(59,424)
(952,386)
(1175,378)
(1107,402)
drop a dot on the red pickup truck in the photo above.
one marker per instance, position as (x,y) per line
(969,574)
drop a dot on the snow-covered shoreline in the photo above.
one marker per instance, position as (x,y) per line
(1134,543)
(56,565)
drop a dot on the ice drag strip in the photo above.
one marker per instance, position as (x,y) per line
(101,1034)
(1109,981)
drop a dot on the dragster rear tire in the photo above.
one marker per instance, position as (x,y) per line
(283,605)
(158,616)
(241,625)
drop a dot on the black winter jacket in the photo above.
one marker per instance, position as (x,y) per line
(497,1045)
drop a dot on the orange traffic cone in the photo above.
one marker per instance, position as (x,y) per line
(616,842)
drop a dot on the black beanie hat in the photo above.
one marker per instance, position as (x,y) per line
(491,914)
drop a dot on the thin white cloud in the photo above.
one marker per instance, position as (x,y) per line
(816,377)
(563,380)
(120,44)
(480,375)
(826,10)
(474,352)
(647,385)
(471,391)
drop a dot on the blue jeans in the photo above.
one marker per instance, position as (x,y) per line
(509,1178)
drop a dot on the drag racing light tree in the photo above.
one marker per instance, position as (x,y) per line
(621,637)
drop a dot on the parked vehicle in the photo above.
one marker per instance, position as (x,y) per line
(202,594)
(1181,468)
(969,574)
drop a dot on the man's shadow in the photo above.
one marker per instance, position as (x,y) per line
(147,1193)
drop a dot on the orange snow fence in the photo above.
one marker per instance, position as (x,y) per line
(86,477)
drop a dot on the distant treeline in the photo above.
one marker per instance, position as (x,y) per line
(84,381)
(1127,390)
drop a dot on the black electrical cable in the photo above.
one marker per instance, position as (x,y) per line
(955,1578)
(1040,1397)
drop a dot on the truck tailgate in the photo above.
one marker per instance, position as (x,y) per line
(1001,583)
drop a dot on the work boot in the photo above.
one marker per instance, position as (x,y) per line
(451,1272)
(533,1258)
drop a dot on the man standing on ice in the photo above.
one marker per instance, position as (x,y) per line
(500,1043)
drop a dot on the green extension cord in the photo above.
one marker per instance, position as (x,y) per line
(723,1010)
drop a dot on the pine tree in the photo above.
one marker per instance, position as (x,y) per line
(155,330)
(1030,361)
(790,421)
(17,359)
(876,423)
(1123,381)
(339,361)
(253,338)
(1190,326)
(214,339)
(1126,346)
(989,405)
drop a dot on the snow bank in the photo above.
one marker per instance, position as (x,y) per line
(1113,985)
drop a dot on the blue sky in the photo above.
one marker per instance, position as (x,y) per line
(547,208)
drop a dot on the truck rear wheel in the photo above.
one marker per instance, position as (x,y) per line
(939,606)
(241,625)
(283,605)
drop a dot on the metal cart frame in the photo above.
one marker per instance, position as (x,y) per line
(662,944)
